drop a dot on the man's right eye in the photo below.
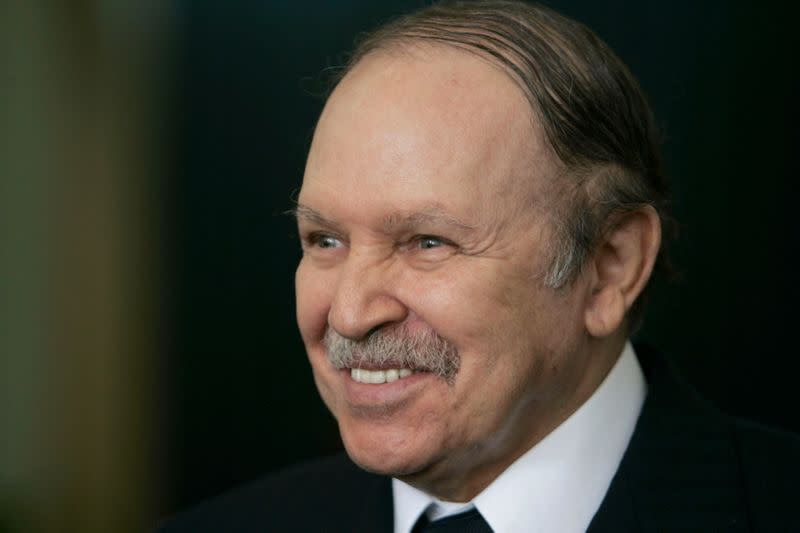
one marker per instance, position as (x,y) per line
(322,240)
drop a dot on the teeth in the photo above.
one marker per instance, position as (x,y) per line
(377,377)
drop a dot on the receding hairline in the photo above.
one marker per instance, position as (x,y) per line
(422,48)
(418,47)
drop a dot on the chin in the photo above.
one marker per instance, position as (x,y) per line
(388,453)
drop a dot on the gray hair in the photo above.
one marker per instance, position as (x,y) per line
(396,347)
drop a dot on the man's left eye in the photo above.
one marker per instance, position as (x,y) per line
(427,242)
(326,241)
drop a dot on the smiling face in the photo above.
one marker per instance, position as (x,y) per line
(423,213)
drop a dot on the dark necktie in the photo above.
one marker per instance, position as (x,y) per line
(468,522)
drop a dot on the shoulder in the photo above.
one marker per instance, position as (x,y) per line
(767,447)
(302,497)
(689,462)
(770,468)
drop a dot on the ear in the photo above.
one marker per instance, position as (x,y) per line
(620,270)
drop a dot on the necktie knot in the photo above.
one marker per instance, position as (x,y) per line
(468,522)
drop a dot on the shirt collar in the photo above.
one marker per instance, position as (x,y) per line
(559,484)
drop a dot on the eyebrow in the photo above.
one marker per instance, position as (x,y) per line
(303,212)
(431,215)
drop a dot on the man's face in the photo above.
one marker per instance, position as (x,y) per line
(423,211)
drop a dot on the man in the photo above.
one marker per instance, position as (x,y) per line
(481,212)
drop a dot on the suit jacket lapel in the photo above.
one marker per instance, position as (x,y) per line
(681,468)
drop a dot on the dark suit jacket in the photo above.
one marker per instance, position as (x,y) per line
(687,468)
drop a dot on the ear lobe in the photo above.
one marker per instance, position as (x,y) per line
(621,267)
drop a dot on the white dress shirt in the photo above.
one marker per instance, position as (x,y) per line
(558,485)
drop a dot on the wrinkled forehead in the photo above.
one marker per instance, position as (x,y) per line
(429,116)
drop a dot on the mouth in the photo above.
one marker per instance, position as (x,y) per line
(379,376)
(385,389)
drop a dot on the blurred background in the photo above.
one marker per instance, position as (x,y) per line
(148,352)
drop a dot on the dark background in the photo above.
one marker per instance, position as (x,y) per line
(238,393)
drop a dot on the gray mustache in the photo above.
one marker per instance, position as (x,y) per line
(395,347)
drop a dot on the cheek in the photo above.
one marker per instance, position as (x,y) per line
(465,303)
(313,291)
(499,321)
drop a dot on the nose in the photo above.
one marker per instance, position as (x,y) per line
(364,300)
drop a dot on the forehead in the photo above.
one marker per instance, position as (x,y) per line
(431,124)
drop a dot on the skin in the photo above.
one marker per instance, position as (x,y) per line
(424,204)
